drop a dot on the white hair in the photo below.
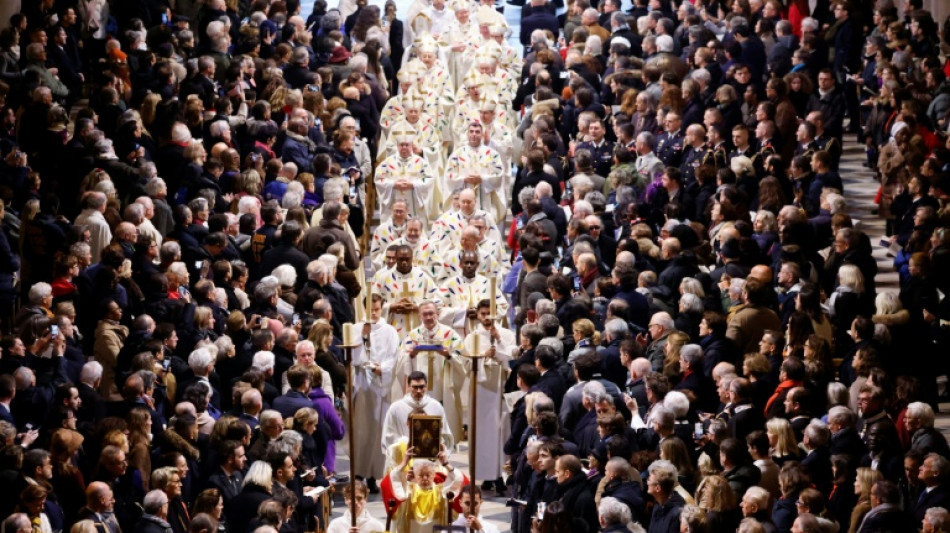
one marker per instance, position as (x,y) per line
(180,133)
(155,186)
(39,292)
(663,319)
(199,360)
(263,361)
(91,372)
(689,302)
(923,412)
(677,402)
(260,472)
(286,275)
(582,208)
(248,204)
(664,43)
(612,511)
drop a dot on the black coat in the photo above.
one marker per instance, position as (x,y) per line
(742,477)
(666,517)
(746,418)
(817,465)
(939,496)
(887,520)
(929,440)
(578,500)
(628,492)
(552,384)
(537,19)
(243,507)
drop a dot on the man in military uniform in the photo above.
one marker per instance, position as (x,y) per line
(670,143)
(764,132)
(716,156)
(805,136)
(601,149)
(694,152)
(740,139)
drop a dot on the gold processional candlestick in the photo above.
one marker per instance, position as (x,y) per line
(348,345)
(406,293)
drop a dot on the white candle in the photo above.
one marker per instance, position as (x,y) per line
(347,334)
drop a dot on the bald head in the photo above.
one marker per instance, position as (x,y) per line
(762,273)
(99,497)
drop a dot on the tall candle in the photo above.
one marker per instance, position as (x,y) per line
(347,334)
(369,302)
(491,301)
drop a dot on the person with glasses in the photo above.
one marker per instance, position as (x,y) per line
(124,483)
(167,480)
(155,519)
(416,401)
(100,508)
(654,342)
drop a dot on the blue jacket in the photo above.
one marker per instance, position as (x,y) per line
(288,404)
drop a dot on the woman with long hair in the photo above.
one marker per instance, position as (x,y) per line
(797,331)
(321,335)
(791,480)
(716,497)
(67,481)
(842,498)
(808,301)
(671,359)
(818,363)
(782,442)
(865,479)
(140,453)
(674,450)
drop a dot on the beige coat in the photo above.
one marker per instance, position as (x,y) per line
(110,338)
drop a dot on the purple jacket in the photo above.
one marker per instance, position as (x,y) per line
(324,406)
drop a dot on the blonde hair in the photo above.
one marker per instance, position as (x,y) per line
(586,328)
(305,415)
(529,401)
(671,363)
(116,438)
(321,334)
(715,494)
(867,477)
(785,443)
(161,477)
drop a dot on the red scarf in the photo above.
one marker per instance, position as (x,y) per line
(784,386)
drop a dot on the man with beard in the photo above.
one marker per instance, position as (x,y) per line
(403,289)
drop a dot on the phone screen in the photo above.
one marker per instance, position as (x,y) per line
(54,331)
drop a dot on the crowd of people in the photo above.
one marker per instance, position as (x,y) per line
(630,237)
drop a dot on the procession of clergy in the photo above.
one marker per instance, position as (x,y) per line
(442,176)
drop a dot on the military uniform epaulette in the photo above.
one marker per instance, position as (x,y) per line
(716,157)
